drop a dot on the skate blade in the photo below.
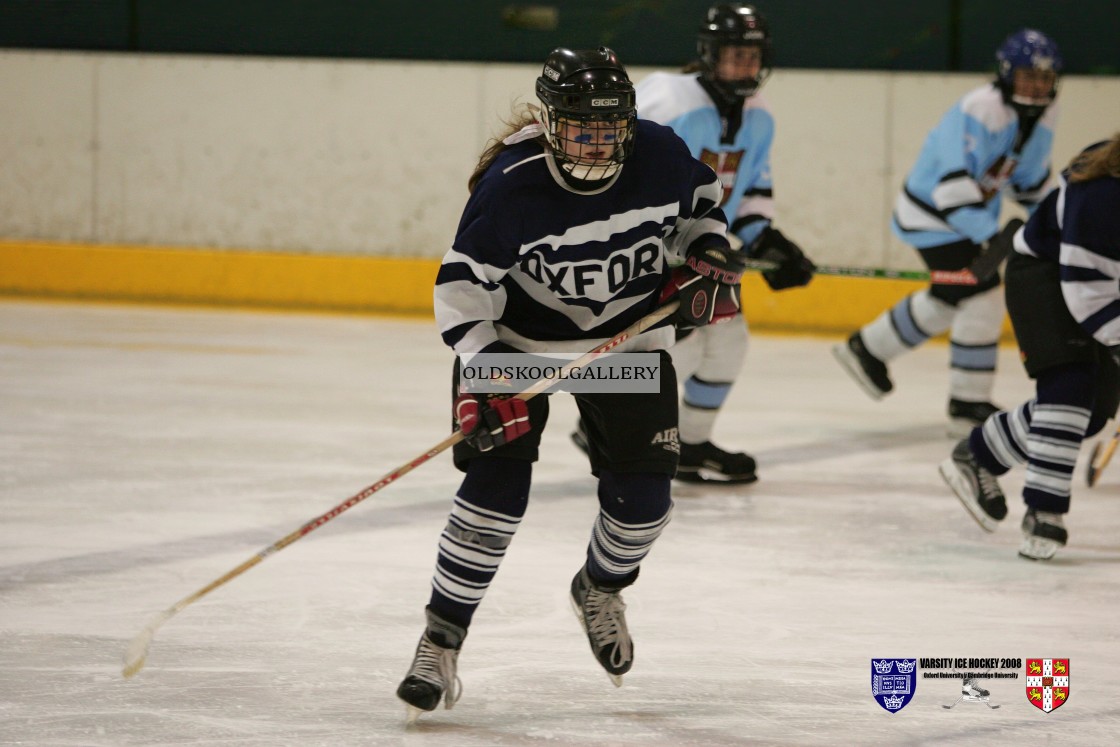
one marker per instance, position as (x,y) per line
(412,715)
(952,478)
(1038,549)
(849,363)
(703,478)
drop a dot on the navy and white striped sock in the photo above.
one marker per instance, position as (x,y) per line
(487,511)
(633,510)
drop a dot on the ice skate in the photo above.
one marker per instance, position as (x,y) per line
(867,370)
(975,486)
(602,614)
(964,416)
(971,692)
(708,463)
(1043,534)
(432,676)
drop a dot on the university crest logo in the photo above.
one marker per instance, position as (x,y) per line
(1047,683)
(726,165)
(893,682)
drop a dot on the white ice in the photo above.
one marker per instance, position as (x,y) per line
(145,452)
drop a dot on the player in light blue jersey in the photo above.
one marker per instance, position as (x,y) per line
(995,139)
(575,226)
(1063,295)
(715,107)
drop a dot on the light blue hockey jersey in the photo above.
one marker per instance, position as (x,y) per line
(953,191)
(743,166)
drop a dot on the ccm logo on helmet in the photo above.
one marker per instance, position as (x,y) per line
(604,102)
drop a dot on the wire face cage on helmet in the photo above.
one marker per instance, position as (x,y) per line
(1031,50)
(589,111)
(733,25)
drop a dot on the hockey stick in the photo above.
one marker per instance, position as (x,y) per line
(1099,458)
(137,651)
(982,268)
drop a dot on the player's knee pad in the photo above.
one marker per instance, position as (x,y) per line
(725,349)
(635,498)
(497,484)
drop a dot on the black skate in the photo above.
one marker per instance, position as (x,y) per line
(433,676)
(964,416)
(708,463)
(867,370)
(602,614)
(975,486)
(1043,534)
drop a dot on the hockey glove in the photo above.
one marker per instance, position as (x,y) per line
(794,268)
(487,421)
(707,287)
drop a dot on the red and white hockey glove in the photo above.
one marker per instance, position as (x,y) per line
(707,286)
(487,421)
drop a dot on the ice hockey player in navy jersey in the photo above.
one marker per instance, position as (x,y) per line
(716,108)
(995,138)
(581,220)
(1063,296)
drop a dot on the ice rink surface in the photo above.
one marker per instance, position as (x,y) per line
(145,452)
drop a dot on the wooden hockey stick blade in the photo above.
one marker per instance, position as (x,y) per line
(136,654)
(999,248)
(1099,459)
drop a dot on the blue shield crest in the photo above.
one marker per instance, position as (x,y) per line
(893,682)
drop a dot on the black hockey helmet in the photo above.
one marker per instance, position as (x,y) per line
(731,25)
(589,89)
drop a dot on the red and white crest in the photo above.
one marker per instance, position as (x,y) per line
(726,165)
(1047,683)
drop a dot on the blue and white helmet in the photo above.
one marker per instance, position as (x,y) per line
(1027,48)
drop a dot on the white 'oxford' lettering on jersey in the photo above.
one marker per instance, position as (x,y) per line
(596,279)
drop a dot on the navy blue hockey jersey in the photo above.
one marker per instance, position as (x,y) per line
(1078,226)
(543,268)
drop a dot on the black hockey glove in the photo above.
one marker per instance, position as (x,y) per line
(707,287)
(794,268)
